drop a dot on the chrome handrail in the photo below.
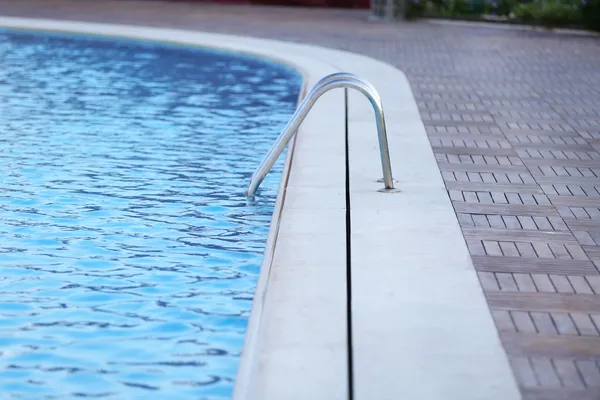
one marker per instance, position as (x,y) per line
(333,81)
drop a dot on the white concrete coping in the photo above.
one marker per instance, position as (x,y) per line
(421,328)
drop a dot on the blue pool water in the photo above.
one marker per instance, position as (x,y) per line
(128,251)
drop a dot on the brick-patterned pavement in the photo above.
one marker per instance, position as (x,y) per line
(514,120)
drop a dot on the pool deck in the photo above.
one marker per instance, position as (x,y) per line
(513,118)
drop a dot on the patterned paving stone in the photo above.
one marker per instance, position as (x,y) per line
(514,120)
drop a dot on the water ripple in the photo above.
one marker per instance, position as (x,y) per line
(128,252)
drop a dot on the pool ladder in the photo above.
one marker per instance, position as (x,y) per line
(333,81)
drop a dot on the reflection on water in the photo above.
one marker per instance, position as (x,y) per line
(128,252)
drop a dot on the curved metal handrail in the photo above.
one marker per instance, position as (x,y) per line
(333,81)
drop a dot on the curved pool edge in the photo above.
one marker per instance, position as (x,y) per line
(442,340)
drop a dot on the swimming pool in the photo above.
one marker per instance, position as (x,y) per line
(128,252)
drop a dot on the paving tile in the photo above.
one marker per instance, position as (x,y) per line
(564,323)
(523,235)
(545,372)
(506,209)
(548,302)
(568,374)
(543,345)
(504,263)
